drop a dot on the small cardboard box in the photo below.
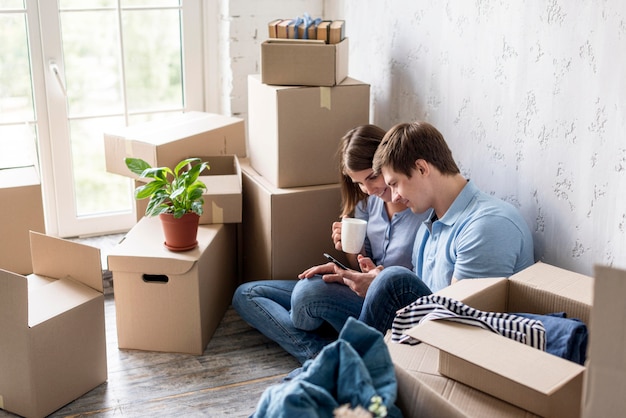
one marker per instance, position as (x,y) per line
(20,194)
(605,378)
(165,142)
(534,380)
(52,328)
(172,301)
(293,62)
(294,132)
(222,199)
(285,231)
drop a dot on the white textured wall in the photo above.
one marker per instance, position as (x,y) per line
(529,94)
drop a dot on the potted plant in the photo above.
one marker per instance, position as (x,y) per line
(175,196)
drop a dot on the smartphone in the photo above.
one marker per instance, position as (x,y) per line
(334,260)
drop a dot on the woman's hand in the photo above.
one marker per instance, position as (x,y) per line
(357,281)
(321,269)
(336,235)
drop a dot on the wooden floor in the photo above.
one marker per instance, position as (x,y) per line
(238,364)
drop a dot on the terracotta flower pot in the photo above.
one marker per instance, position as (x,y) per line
(180,234)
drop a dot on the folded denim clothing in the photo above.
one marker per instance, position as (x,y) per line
(435,307)
(565,337)
(351,370)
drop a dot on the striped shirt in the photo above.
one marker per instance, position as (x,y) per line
(435,307)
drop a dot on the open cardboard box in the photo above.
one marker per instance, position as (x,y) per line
(223,197)
(52,330)
(167,141)
(528,378)
(300,62)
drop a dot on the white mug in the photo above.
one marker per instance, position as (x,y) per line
(353,235)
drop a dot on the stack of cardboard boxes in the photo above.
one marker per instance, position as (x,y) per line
(299,107)
(173,301)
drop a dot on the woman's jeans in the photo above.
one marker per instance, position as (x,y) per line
(293,313)
(266,306)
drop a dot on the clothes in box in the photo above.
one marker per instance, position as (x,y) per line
(52,328)
(222,199)
(294,132)
(172,301)
(285,231)
(167,141)
(303,63)
(529,378)
(20,193)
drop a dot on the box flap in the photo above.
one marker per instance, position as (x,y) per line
(55,298)
(13,300)
(59,258)
(534,369)
(555,280)
(484,294)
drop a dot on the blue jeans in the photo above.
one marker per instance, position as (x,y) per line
(266,306)
(394,288)
(314,302)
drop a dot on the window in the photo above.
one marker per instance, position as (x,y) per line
(101,64)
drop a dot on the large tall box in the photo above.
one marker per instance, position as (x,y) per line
(52,330)
(165,142)
(605,378)
(285,231)
(172,301)
(20,194)
(492,371)
(294,131)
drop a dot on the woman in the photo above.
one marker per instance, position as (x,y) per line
(297,313)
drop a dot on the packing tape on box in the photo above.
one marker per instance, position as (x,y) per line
(1,402)
(217,213)
(325,97)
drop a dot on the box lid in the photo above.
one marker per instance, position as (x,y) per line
(142,250)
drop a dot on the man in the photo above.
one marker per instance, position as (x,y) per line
(468,234)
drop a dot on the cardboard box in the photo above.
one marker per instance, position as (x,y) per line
(165,142)
(534,380)
(20,193)
(223,197)
(292,62)
(52,328)
(605,378)
(172,301)
(294,132)
(285,231)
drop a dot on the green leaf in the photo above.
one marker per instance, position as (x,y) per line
(136,165)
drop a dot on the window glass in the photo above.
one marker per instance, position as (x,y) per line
(11,4)
(152,59)
(16,95)
(92,62)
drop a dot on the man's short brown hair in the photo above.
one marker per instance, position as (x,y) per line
(406,143)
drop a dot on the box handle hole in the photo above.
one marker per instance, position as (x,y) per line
(155,278)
